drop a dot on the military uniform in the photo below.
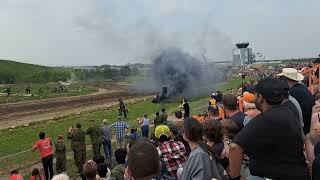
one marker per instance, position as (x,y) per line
(78,145)
(60,155)
(157,121)
(95,133)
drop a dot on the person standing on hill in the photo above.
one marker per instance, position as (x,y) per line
(122,108)
(78,145)
(60,154)
(157,120)
(95,133)
(44,145)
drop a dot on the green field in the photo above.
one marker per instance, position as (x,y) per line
(43,91)
(24,137)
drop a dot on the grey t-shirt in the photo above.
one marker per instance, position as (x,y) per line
(199,166)
(106,133)
(296,103)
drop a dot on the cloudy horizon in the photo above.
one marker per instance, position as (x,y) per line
(95,32)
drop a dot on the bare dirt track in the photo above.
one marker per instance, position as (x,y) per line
(16,114)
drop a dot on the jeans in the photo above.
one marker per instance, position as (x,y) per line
(145,131)
(47,163)
(107,149)
(120,143)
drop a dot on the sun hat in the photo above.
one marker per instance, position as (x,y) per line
(292,74)
(162,130)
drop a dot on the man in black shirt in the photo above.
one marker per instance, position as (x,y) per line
(301,93)
(272,140)
(186,108)
(231,110)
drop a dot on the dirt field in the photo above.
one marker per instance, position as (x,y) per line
(16,114)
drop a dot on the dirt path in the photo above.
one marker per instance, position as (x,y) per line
(16,114)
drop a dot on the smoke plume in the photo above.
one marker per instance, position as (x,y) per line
(183,75)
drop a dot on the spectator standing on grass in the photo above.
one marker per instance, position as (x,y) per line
(157,120)
(35,175)
(231,110)
(121,127)
(60,154)
(272,140)
(44,145)
(172,154)
(122,108)
(301,93)
(164,116)
(14,175)
(96,137)
(106,130)
(78,145)
(133,134)
(176,135)
(144,123)
(143,162)
(118,171)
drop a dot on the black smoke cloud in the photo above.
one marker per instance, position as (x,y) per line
(183,74)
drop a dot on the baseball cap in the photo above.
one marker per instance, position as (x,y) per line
(248,97)
(162,130)
(105,121)
(272,89)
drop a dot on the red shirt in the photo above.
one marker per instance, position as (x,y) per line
(16,177)
(44,146)
(33,178)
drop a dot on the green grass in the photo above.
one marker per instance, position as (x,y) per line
(233,83)
(43,91)
(22,138)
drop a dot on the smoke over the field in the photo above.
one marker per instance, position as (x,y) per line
(183,74)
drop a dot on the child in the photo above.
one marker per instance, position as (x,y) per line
(36,175)
(60,154)
(134,135)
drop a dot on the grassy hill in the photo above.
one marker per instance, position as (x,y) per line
(15,72)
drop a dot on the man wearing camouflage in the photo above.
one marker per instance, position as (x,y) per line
(95,133)
(78,146)
(60,154)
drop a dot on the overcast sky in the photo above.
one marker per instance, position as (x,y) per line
(95,32)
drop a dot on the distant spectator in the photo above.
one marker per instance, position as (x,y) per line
(95,133)
(44,145)
(106,130)
(120,127)
(300,93)
(35,175)
(60,154)
(186,108)
(143,162)
(316,163)
(144,123)
(157,120)
(263,138)
(102,171)
(176,135)
(231,110)
(90,170)
(14,175)
(61,177)
(172,154)
(133,134)
(118,171)
(200,165)
(164,116)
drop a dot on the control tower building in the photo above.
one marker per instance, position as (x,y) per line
(242,55)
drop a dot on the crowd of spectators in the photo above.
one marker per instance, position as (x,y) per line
(270,130)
